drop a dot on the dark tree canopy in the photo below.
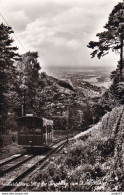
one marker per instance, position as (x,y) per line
(7,69)
(112,37)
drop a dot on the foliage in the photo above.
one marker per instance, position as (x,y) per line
(90,164)
(112,38)
(8,56)
(28,71)
(114,96)
(11,123)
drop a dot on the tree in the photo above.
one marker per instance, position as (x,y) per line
(28,69)
(7,69)
(112,38)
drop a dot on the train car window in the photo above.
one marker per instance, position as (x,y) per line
(44,129)
(37,131)
(49,128)
(30,122)
(22,130)
(31,130)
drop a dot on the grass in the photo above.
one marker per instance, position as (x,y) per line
(9,145)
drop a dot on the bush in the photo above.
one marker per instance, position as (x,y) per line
(14,138)
(106,147)
(11,124)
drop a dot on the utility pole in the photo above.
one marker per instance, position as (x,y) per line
(93,119)
(67,120)
(68,113)
(24,104)
(23,88)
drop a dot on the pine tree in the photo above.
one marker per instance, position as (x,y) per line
(7,69)
(112,38)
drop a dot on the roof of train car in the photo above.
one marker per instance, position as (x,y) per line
(31,117)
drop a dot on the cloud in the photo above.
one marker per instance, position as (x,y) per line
(58,29)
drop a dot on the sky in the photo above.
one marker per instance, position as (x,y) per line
(59,30)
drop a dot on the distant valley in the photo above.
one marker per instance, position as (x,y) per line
(95,76)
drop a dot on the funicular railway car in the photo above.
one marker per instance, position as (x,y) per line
(35,131)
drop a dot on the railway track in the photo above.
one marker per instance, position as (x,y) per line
(16,169)
(9,159)
(15,163)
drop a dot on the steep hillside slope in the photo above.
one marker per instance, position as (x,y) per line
(56,95)
(93,162)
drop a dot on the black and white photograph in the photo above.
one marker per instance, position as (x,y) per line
(61,96)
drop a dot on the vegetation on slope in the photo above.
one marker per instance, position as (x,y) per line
(93,162)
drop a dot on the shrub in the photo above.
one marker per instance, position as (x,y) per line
(11,123)
(106,147)
(14,138)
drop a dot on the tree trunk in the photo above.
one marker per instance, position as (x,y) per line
(121,55)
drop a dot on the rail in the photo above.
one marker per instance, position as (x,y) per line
(26,167)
